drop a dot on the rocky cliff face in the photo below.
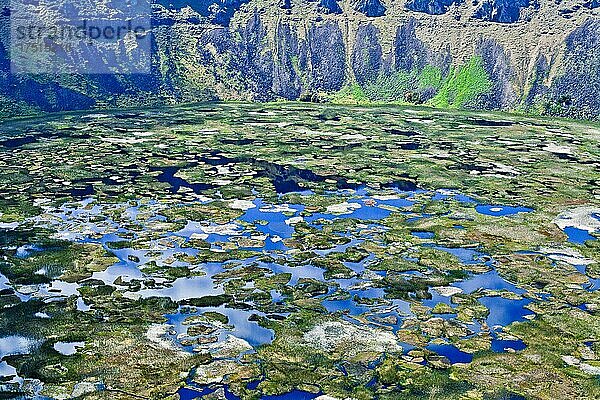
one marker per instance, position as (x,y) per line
(529,55)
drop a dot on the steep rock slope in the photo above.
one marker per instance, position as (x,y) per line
(539,57)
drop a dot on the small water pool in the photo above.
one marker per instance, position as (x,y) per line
(500,210)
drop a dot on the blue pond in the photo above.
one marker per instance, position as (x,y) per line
(252,385)
(397,308)
(345,305)
(423,235)
(465,255)
(578,236)
(499,210)
(276,219)
(443,194)
(593,286)
(245,329)
(451,353)
(500,345)
(489,280)
(505,311)
(363,213)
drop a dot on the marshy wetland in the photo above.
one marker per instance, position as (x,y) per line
(294,251)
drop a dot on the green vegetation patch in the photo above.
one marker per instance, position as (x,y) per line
(463,85)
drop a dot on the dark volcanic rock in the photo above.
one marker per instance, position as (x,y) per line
(257,64)
(286,82)
(366,57)
(371,8)
(505,11)
(576,90)
(538,90)
(249,50)
(441,59)
(238,59)
(497,66)
(217,12)
(329,7)
(327,55)
(434,7)
(592,4)
(410,52)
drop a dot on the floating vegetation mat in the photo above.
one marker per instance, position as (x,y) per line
(290,251)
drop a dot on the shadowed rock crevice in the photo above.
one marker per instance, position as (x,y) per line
(498,69)
(327,57)
(591,4)
(410,51)
(329,7)
(434,7)
(257,60)
(575,92)
(366,57)
(503,11)
(286,82)
(371,8)
(217,12)
(538,90)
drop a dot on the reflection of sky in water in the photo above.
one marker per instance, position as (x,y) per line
(127,271)
(500,345)
(68,348)
(27,250)
(489,280)
(276,296)
(399,202)
(502,311)
(214,232)
(4,282)
(444,194)
(238,319)
(74,221)
(423,235)
(185,288)
(593,285)
(499,210)
(7,370)
(451,353)
(436,298)
(382,308)
(301,271)
(505,311)
(363,213)
(14,345)
(577,236)
(349,305)
(276,225)
(81,306)
(58,289)
(359,267)
(340,248)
